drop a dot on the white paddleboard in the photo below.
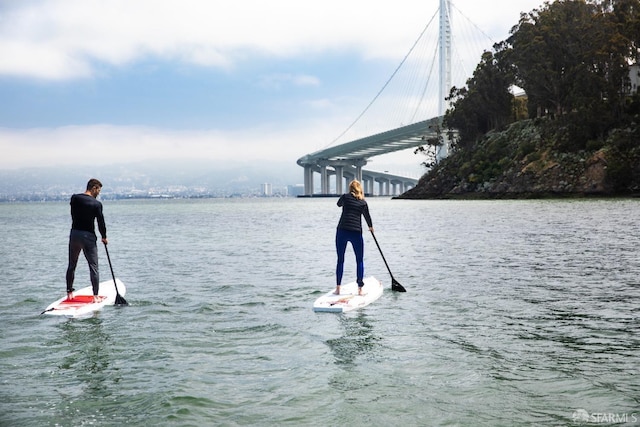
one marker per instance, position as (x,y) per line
(349,299)
(82,303)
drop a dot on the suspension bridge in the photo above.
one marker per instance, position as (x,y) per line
(339,163)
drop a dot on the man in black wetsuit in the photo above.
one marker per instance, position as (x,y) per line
(85,209)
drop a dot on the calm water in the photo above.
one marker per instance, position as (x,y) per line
(517,313)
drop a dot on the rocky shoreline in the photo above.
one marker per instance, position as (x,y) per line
(517,164)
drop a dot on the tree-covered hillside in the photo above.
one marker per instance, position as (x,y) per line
(575,131)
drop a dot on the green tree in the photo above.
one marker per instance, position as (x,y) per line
(624,17)
(551,52)
(484,104)
(625,14)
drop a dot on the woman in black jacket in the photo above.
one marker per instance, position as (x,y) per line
(354,207)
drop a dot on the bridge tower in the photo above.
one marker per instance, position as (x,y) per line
(445,53)
(444,48)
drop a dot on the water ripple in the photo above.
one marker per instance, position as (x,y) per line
(517,313)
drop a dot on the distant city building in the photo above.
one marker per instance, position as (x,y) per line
(266,189)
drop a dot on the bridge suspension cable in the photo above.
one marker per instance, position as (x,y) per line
(383,86)
(411,93)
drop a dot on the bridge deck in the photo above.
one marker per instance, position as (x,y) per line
(347,159)
(409,136)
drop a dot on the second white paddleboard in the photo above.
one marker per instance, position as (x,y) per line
(349,299)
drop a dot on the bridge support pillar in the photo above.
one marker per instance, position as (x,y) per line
(383,186)
(324,180)
(359,163)
(407,186)
(308,180)
(339,178)
(367,184)
(398,186)
(348,177)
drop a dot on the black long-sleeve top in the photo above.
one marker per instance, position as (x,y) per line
(85,209)
(352,211)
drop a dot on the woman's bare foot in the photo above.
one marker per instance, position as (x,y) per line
(337,291)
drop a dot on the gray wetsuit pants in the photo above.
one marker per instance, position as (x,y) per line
(84,241)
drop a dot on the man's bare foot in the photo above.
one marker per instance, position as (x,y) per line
(69,296)
(96,298)
(337,291)
(360,292)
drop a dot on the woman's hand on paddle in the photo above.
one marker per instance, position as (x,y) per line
(371,229)
(104,240)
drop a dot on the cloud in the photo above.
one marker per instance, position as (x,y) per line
(108,144)
(21,58)
(277,81)
(66,39)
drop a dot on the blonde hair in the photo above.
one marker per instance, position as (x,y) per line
(355,188)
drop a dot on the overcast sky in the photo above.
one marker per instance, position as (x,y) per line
(109,81)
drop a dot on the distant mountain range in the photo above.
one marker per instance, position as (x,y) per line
(150,179)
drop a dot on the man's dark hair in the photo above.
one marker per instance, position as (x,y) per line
(93,183)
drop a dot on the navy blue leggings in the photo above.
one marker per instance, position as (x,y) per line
(342,238)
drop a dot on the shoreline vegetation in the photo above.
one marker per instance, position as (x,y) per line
(574,131)
(503,165)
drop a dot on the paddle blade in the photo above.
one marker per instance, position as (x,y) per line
(120,300)
(395,286)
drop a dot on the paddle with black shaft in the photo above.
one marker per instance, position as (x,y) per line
(119,298)
(395,286)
